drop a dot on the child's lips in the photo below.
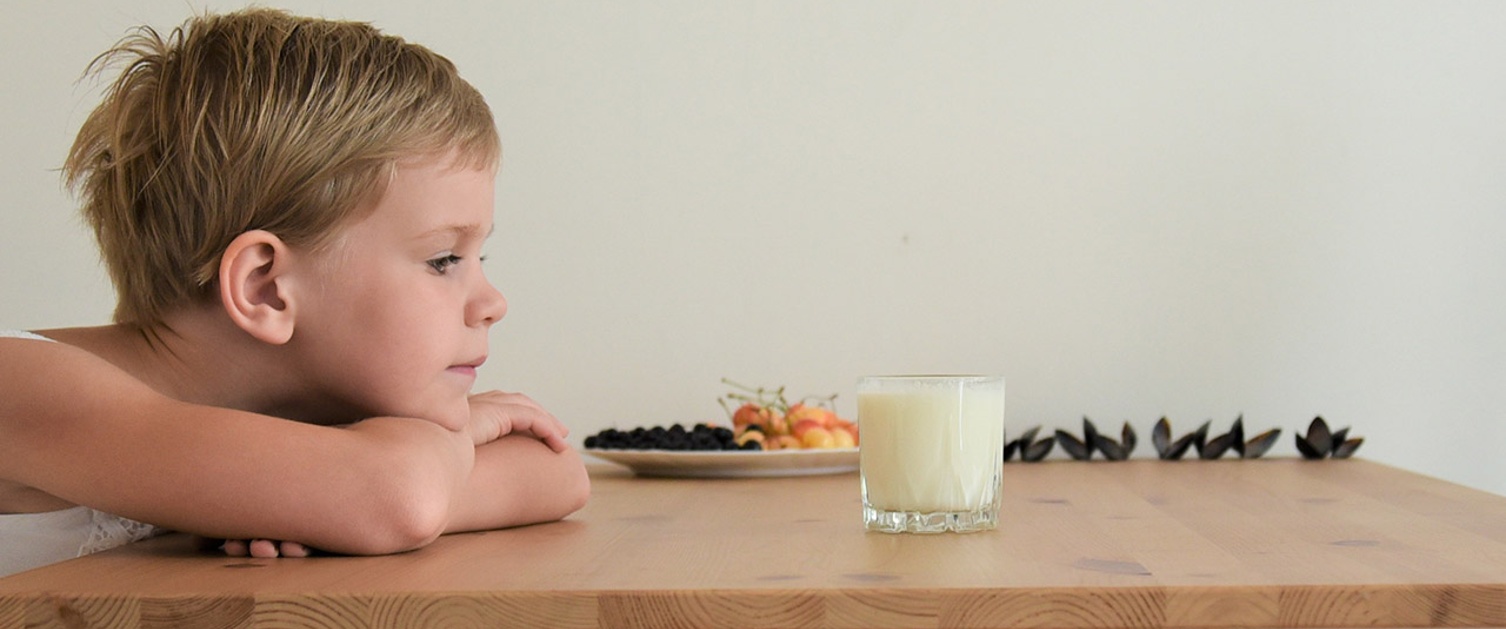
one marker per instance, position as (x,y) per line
(467,368)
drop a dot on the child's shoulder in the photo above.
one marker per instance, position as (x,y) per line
(57,399)
(46,366)
(19,346)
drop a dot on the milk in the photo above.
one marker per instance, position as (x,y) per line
(931,444)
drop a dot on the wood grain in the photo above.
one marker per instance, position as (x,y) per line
(1266,543)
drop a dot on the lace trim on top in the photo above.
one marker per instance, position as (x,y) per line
(107,531)
(23,334)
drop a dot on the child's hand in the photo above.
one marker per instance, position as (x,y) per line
(259,548)
(494,414)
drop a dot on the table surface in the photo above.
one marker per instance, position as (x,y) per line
(1259,543)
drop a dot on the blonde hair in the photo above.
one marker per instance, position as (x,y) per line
(254,120)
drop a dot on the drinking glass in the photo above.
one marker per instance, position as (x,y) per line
(931,455)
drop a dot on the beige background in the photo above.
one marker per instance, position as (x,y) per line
(1190,209)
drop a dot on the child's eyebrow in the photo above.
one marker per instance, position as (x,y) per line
(466,230)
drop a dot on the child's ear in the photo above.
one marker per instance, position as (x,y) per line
(254,286)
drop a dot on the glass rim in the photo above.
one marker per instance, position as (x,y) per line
(926,381)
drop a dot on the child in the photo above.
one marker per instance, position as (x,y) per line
(292,212)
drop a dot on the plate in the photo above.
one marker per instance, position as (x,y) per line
(733,463)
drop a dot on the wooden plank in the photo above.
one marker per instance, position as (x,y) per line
(1385,606)
(1136,544)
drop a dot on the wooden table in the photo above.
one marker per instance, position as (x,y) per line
(1259,543)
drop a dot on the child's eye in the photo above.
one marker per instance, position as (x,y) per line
(443,263)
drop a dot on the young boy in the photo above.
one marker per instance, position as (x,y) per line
(292,212)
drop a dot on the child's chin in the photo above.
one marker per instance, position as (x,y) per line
(454,417)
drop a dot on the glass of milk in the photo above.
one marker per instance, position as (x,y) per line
(932,452)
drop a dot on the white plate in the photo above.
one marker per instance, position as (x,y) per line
(733,463)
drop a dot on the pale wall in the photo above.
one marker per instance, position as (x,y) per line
(1193,209)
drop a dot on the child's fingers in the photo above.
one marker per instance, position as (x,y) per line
(293,549)
(557,433)
(263,548)
(518,413)
(545,428)
(557,444)
(548,433)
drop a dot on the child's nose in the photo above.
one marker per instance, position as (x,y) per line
(488,306)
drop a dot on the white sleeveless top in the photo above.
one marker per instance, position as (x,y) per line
(32,540)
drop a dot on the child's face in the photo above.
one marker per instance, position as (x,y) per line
(399,322)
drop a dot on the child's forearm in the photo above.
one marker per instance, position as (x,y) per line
(518,480)
(393,482)
(411,473)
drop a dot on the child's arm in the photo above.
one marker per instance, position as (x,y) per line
(79,428)
(524,471)
(519,480)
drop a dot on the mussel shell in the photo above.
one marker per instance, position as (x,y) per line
(1160,437)
(1346,449)
(1339,436)
(1074,447)
(1029,435)
(1112,450)
(1200,436)
(1319,437)
(1237,436)
(1215,447)
(1307,449)
(1037,451)
(1179,448)
(1261,443)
